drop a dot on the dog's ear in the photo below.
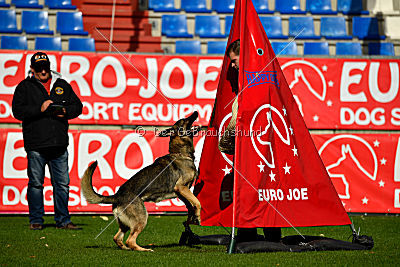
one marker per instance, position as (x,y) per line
(166,132)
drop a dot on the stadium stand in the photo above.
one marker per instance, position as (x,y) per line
(216,47)
(366,28)
(59,4)
(302,27)
(175,26)
(4,4)
(26,4)
(223,6)
(334,28)
(348,48)
(273,27)
(163,6)
(48,43)
(228,24)
(188,47)
(383,49)
(322,7)
(288,7)
(208,27)
(74,25)
(351,7)
(316,48)
(195,6)
(14,42)
(35,22)
(81,44)
(8,21)
(261,7)
(284,48)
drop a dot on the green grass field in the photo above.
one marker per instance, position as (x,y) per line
(21,246)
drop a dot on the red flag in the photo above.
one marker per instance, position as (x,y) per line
(279,177)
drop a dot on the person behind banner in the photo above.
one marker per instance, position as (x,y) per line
(44,103)
(227,144)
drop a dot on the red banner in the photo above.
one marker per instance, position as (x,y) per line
(158,89)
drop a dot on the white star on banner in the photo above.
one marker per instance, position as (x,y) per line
(261,166)
(226,170)
(381,183)
(287,169)
(315,118)
(272,175)
(324,68)
(376,143)
(294,149)
(329,103)
(365,200)
(291,130)
(383,161)
(330,83)
(284,111)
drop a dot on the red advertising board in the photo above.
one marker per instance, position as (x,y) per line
(158,90)
(365,168)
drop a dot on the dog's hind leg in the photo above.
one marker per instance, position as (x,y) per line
(185,192)
(119,239)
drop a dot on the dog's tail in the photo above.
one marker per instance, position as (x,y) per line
(88,191)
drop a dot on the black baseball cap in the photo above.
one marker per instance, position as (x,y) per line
(40,61)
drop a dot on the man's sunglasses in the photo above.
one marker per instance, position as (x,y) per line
(41,69)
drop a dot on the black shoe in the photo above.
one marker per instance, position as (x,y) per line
(69,226)
(36,226)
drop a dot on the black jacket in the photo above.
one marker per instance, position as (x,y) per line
(43,130)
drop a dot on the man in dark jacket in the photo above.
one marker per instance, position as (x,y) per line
(44,103)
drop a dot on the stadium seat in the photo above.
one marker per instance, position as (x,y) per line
(14,42)
(354,7)
(261,7)
(228,24)
(195,6)
(320,7)
(366,28)
(302,27)
(163,6)
(74,25)
(188,47)
(216,47)
(26,4)
(349,48)
(284,48)
(81,44)
(334,28)
(174,26)
(383,49)
(59,4)
(8,21)
(223,6)
(320,48)
(392,28)
(48,43)
(208,27)
(381,6)
(35,22)
(273,27)
(288,7)
(3,3)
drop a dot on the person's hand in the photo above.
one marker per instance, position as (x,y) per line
(45,105)
(63,114)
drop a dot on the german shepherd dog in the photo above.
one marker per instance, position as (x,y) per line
(168,177)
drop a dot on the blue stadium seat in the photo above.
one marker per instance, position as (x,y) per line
(349,48)
(228,24)
(320,48)
(59,4)
(305,25)
(3,3)
(26,4)
(74,25)
(81,44)
(351,7)
(195,6)
(284,48)
(14,42)
(8,21)
(163,6)
(208,27)
(174,26)
(188,47)
(334,28)
(261,7)
(35,22)
(48,43)
(273,27)
(366,28)
(288,7)
(320,7)
(216,47)
(223,6)
(383,49)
